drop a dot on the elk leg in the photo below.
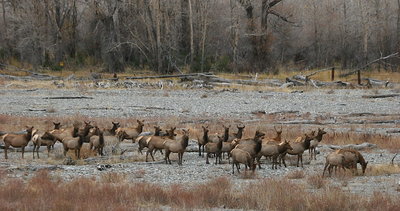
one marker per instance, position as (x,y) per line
(33,152)
(37,150)
(208,155)
(238,167)
(258,161)
(48,150)
(233,168)
(5,152)
(301,159)
(326,166)
(23,151)
(199,149)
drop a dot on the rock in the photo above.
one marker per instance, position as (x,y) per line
(69,161)
(70,77)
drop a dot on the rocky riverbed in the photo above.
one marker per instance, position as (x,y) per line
(338,110)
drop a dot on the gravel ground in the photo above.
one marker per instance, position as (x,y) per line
(191,103)
(197,104)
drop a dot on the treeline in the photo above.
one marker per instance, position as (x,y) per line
(217,35)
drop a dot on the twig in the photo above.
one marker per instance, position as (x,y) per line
(393,159)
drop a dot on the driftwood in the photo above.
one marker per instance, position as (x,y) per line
(168,76)
(33,75)
(369,63)
(362,146)
(392,162)
(295,82)
(300,80)
(375,82)
(393,131)
(381,96)
(67,98)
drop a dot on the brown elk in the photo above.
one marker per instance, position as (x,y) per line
(142,140)
(157,142)
(131,133)
(274,151)
(46,139)
(178,146)
(214,148)
(351,158)
(244,157)
(239,133)
(298,148)
(97,141)
(17,141)
(314,143)
(73,144)
(205,139)
(333,159)
(112,131)
(275,140)
(73,132)
(252,146)
(57,125)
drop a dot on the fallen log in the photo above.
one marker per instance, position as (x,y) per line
(381,96)
(67,98)
(295,82)
(167,76)
(362,146)
(393,131)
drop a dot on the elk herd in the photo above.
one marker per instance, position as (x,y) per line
(237,149)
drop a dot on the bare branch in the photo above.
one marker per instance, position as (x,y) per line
(280,16)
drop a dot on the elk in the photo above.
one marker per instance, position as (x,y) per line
(46,139)
(178,146)
(277,139)
(214,148)
(237,135)
(157,142)
(97,141)
(314,143)
(204,140)
(142,140)
(17,141)
(274,151)
(73,132)
(111,131)
(298,148)
(333,159)
(57,125)
(131,133)
(244,157)
(351,158)
(252,146)
(73,144)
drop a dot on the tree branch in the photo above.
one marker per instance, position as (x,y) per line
(273,3)
(280,16)
(369,63)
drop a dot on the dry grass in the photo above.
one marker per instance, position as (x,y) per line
(316,181)
(298,174)
(382,169)
(113,192)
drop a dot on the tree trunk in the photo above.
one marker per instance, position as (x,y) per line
(185,28)
(204,32)
(345,37)
(158,36)
(191,32)
(235,34)
(365,33)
